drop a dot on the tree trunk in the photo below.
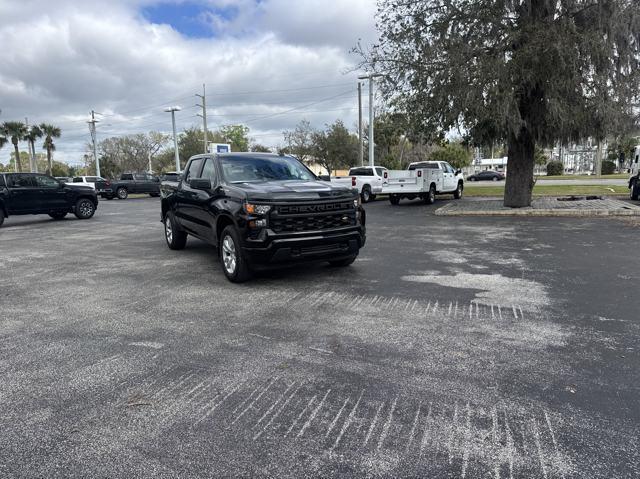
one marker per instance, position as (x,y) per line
(50,168)
(519,185)
(18,165)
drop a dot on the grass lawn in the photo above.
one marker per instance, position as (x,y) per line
(584,177)
(551,190)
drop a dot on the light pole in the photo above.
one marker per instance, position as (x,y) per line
(371,142)
(173,111)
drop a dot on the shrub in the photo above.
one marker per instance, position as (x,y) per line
(555,168)
(608,167)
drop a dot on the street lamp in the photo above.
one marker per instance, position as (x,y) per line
(173,110)
(371,143)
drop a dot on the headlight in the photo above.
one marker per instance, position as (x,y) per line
(256,209)
(356,202)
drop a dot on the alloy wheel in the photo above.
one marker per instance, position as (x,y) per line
(229,256)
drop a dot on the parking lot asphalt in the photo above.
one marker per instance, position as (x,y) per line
(453,347)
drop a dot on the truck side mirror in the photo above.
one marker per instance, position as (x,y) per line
(324,177)
(200,184)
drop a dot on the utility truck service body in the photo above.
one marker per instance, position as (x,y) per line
(424,180)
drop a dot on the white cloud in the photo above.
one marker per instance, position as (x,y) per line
(60,61)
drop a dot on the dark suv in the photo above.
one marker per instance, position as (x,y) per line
(262,210)
(37,194)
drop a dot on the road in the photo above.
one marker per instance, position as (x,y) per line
(453,347)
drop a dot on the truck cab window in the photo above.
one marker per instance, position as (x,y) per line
(194,170)
(209,170)
(22,181)
(46,182)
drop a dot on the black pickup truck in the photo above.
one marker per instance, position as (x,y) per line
(38,194)
(262,210)
(128,183)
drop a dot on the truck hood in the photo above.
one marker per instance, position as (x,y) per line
(292,190)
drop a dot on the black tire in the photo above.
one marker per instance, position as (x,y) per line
(634,192)
(1,217)
(341,263)
(174,236)
(366,194)
(431,196)
(394,199)
(458,193)
(58,215)
(110,197)
(84,209)
(495,178)
(122,193)
(234,264)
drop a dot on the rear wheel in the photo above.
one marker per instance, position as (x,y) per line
(431,196)
(366,194)
(634,192)
(122,193)
(176,238)
(58,215)
(84,209)
(394,199)
(234,264)
(340,263)
(458,193)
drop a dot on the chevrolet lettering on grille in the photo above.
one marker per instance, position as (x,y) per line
(313,208)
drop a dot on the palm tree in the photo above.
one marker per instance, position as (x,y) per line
(16,130)
(50,132)
(34,133)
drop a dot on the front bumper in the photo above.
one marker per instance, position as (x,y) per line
(328,245)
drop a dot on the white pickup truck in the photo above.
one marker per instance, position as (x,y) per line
(424,180)
(367,180)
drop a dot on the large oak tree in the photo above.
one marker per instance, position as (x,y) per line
(523,72)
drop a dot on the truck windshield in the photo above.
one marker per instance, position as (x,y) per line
(253,170)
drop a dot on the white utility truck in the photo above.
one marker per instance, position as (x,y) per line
(634,181)
(368,180)
(424,180)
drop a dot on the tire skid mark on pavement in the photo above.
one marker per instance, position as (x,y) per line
(462,437)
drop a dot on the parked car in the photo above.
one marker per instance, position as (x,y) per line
(366,179)
(424,180)
(486,176)
(127,184)
(262,210)
(39,194)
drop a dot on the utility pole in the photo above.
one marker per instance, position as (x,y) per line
(371,116)
(92,130)
(361,145)
(173,111)
(203,97)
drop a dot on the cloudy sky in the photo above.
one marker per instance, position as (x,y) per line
(266,63)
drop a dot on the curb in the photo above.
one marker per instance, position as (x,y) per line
(447,211)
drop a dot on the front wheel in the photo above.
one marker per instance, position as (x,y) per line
(634,192)
(85,208)
(176,238)
(122,193)
(234,264)
(58,215)
(458,193)
(340,263)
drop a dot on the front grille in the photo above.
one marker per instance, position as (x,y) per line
(312,217)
